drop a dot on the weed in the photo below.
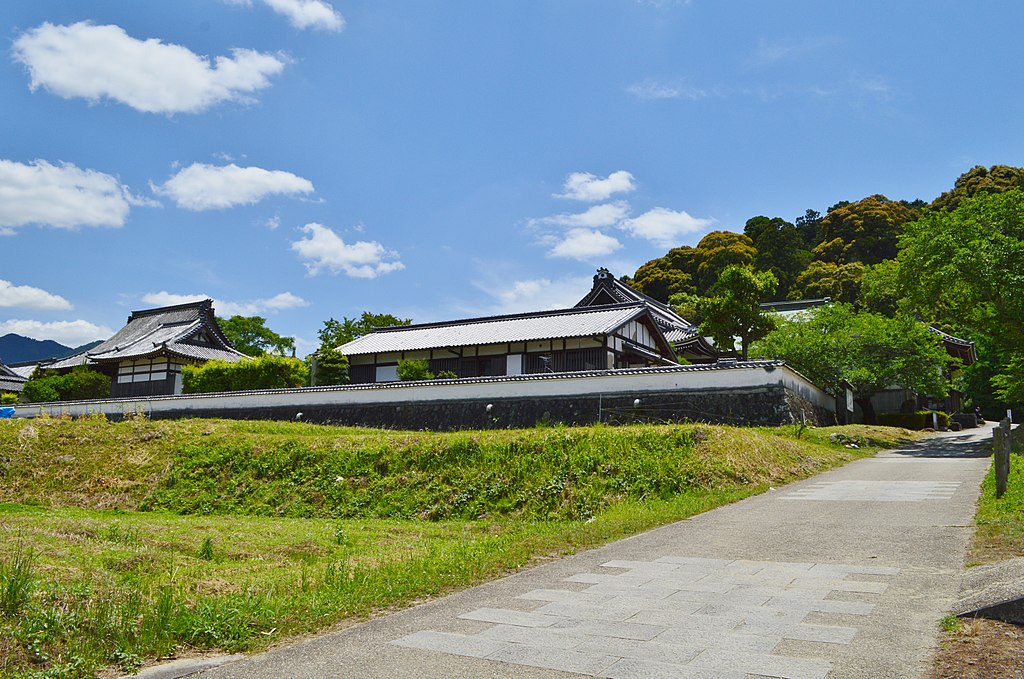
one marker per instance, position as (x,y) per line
(340,536)
(951,624)
(126,660)
(17,580)
(206,550)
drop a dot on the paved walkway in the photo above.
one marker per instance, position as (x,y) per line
(842,575)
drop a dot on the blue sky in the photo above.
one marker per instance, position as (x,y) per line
(302,160)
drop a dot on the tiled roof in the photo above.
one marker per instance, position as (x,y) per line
(10,380)
(604,281)
(23,370)
(680,333)
(166,330)
(963,349)
(576,322)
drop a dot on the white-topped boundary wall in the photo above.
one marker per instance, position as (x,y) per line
(343,404)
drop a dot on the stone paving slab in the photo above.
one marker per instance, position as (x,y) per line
(754,607)
(875,491)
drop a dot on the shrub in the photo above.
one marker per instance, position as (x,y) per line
(331,367)
(8,399)
(446,375)
(264,372)
(922,419)
(414,370)
(81,383)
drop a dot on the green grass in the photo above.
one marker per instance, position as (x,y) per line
(1000,533)
(260,531)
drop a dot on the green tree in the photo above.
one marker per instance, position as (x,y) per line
(660,280)
(251,336)
(880,289)
(336,333)
(331,364)
(779,249)
(979,180)
(718,250)
(733,310)
(331,367)
(865,231)
(808,226)
(966,267)
(870,351)
(841,282)
(411,371)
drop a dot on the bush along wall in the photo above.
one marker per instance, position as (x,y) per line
(922,419)
(264,372)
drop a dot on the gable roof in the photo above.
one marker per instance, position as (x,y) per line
(529,327)
(963,349)
(188,331)
(682,334)
(10,380)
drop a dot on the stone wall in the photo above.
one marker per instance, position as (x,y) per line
(767,406)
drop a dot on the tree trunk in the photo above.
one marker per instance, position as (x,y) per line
(867,409)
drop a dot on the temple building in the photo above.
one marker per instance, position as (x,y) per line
(613,326)
(145,357)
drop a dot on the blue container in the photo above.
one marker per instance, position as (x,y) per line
(6,413)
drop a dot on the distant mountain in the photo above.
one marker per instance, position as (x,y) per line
(17,349)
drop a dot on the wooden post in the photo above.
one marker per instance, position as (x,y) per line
(1002,444)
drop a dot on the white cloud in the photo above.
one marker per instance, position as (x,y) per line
(63,196)
(303,14)
(664,227)
(97,62)
(284,300)
(652,89)
(585,244)
(68,333)
(605,214)
(27,297)
(226,309)
(590,188)
(324,250)
(209,187)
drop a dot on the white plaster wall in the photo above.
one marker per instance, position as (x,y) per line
(740,376)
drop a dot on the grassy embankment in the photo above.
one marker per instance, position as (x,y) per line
(132,541)
(1000,532)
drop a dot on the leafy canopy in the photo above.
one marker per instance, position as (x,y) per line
(966,267)
(332,365)
(251,336)
(734,309)
(780,249)
(978,180)
(870,351)
(336,333)
(865,231)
